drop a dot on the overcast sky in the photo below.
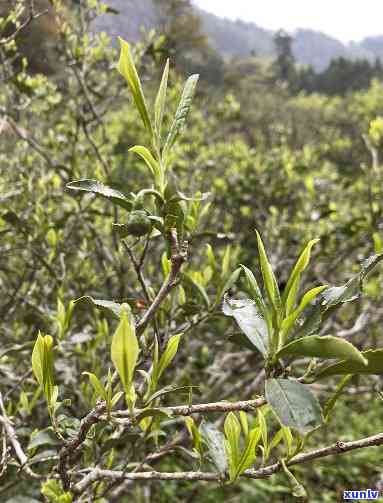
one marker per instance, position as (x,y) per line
(343,19)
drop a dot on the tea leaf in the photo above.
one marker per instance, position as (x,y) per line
(323,347)
(124,349)
(294,404)
(99,189)
(128,70)
(182,113)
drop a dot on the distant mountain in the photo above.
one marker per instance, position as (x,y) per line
(240,38)
(374,45)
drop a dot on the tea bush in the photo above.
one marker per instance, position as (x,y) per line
(169,329)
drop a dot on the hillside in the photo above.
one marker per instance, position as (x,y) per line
(239,38)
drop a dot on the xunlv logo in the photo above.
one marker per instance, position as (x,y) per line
(367,494)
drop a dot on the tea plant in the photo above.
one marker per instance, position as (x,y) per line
(283,325)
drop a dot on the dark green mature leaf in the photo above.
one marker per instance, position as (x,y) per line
(182,112)
(154,412)
(353,288)
(323,347)
(294,404)
(43,437)
(374,365)
(172,388)
(334,297)
(95,187)
(215,442)
(107,306)
(250,321)
(197,288)
(240,339)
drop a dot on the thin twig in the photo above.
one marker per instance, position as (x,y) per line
(337,448)
(203,408)
(178,257)
(11,434)
(87,422)
(31,17)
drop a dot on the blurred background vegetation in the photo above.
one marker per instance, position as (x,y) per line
(286,135)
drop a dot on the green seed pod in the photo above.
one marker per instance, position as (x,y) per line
(138,223)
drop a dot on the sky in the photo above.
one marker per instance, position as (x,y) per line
(343,19)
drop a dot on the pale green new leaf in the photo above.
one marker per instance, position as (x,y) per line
(244,422)
(42,364)
(254,288)
(194,433)
(168,354)
(293,281)
(124,349)
(263,428)
(274,442)
(128,70)
(308,297)
(226,261)
(330,404)
(232,428)
(97,385)
(38,358)
(182,113)
(232,279)
(270,283)
(150,161)
(249,454)
(159,105)
(323,347)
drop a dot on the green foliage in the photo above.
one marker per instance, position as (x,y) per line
(124,352)
(292,166)
(42,366)
(294,404)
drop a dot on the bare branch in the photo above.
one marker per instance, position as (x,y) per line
(11,434)
(178,257)
(187,410)
(87,422)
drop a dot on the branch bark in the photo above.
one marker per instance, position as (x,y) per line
(178,257)
(187,410)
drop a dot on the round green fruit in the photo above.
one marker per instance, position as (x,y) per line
(138,223)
